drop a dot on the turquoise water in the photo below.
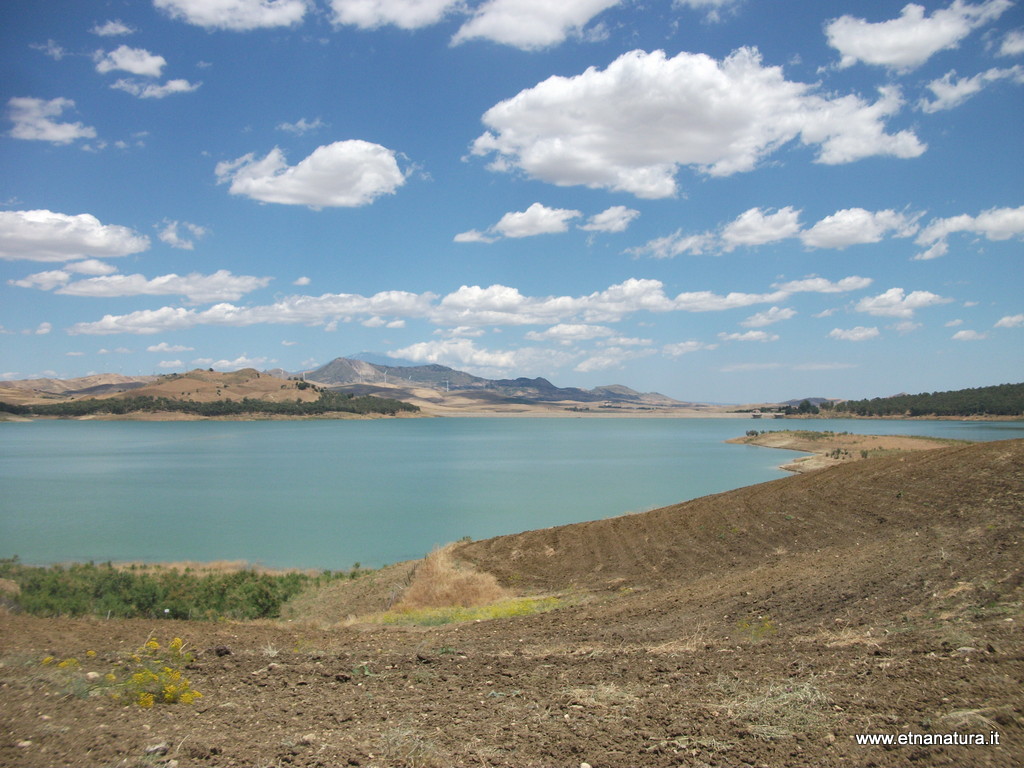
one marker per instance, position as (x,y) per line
(328,494)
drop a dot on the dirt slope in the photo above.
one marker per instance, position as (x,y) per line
(761,627)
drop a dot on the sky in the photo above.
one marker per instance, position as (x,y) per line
(719,200)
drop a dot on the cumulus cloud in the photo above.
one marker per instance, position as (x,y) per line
(950,92)
(569,333)
(468,307)
(761,336)
(406,14)
(172,234)
(1013,43)
(614,219)
(993,224)
(35,120)
(969,336)
(137,61)
(170,364)
(154,91)
(302,281)
(242,361)
(44,281)
(769,317)
(907,42)
(196,288)
(1011,321)
(90,267)
(897,303)
(632,126)
(853,226)
(538,219)
(43,235)
(302,126)
(860,333)
(163,346)
(677,244)
(235,15)
(678,349)
(112,28)
(757,227)
(345,174)
(530,24)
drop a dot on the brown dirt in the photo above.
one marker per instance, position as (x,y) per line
(831,448)
(761,627)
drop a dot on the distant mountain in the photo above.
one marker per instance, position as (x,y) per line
(378,359)
(343,372)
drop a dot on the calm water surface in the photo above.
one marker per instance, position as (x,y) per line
(327,494)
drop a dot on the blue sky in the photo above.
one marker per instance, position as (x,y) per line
(720,200)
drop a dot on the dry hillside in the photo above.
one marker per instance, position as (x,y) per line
(762,627)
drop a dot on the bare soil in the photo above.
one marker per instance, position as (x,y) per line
(762,627)
(828,449)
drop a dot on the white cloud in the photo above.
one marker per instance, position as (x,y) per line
(236,15)
(821,285)
(455,351)
(896,303)
(163,346)
(242,361)
(1011,321)
(757,227)
(302,126)
(614,219)
(1013,43)
(137,61)
(196,288)
(42,329)
(906,42)
(44,281)
(611,357)
(676,244)
(950,93)
(467,307)
(51,49)
(343,174)
(681,348)
(969,336)
(860,333)
(75,354)
(90,267)
(170,364)
(538,219)
(853,226)
(713,7)
(474,236)
(993,224)
(34,120)
(153,91)
(113,28)
(761,336)
(769,317)
(43,235)
(632,126)
(406,14)
(302,281)
(171,235)
(530,24)
(568,333)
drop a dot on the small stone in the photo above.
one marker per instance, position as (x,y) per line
(158,749)
(309,738)
(222,650)
(24,744)
(92,676)
(584,765)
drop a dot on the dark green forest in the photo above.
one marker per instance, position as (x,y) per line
(1000,400)
(329,402)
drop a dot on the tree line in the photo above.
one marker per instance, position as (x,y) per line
(1000,400)
(328,402)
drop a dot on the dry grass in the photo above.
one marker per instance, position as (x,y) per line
(442,582)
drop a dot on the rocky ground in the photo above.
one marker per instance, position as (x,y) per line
(762,627)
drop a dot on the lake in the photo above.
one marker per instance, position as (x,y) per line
(328,494)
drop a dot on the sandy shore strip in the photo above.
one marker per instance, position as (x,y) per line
(830,448)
